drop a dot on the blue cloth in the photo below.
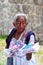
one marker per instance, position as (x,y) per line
(27,46)
(28,37)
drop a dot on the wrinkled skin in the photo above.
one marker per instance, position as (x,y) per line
(20,25)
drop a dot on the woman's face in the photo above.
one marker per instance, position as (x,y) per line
(20,23)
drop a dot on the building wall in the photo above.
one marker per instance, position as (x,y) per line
(32,8)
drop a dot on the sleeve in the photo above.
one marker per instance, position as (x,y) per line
(32,40)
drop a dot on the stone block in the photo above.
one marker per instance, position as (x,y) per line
(41,19)
(38,2)
(21,1)
(2,0)
(15,1)
(38,10)
(28,9)
(28,1)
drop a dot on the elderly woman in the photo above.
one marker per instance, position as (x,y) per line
(18,35)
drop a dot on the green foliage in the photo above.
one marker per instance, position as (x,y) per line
(3,37)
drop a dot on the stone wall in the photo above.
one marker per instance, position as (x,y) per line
(32,8)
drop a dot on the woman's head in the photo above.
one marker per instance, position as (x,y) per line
(30,38)
(20,22)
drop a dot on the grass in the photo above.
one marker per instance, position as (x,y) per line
(39,54)
(2,37)
(2,46)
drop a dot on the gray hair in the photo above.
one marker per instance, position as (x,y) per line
(21,14)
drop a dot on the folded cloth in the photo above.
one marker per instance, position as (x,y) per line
(30,48)
(7,51)
(13,49)
(36,47)
(23,49)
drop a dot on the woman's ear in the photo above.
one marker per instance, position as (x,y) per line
(13,23)
(26,23)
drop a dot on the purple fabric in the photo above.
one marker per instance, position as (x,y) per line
(9,37)
(28,37)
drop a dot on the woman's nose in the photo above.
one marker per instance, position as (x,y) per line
(21,25)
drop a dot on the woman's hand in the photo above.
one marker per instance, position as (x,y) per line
(28,56)
(12,53)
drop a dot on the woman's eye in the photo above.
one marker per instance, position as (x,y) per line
(19,23)
(23,23)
